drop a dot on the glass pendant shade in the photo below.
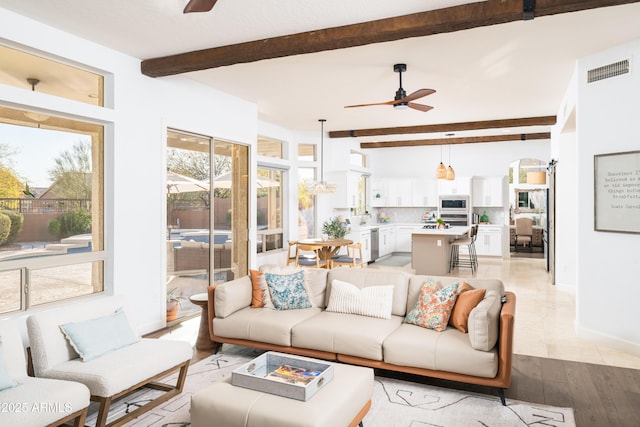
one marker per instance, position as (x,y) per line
(322,186)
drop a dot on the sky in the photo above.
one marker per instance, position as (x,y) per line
(35,150)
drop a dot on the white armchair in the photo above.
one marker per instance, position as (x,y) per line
(110,375)
(36,402)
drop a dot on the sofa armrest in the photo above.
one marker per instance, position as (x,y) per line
(505,340)
(232,296)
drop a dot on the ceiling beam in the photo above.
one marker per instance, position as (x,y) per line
(447,127)
(463,17)
(460,140)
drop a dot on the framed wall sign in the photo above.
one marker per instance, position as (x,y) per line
(617,192)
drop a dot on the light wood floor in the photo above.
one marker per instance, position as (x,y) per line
(551,365)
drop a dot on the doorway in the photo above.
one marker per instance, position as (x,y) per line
(207,239)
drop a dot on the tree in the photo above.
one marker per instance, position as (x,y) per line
(10,185)
(72,172)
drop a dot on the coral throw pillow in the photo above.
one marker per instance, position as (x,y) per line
(434,305)
(467,300)
(257,290)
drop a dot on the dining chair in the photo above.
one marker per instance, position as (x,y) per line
(524,233)
(291,252)
(471,258)
(351,259)
(303,260)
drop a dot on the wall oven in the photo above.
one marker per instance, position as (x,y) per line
(455,209)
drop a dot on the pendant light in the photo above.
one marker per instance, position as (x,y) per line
(451,174)
(441,171)
(322,187)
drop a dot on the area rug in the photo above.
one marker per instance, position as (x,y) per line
(395,403)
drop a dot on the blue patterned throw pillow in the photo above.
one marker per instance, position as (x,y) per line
(287,291)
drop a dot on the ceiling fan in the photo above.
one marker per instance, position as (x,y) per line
(199,6)
(402,100)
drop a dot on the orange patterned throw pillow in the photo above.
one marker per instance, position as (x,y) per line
(467,300)
(434,305)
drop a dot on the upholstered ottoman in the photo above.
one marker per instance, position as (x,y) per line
(342,402)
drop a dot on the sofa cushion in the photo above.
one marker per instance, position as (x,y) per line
(349,334)
(287,291)
(6,381)
(468,299)
(230,297)
(375,277)
(484,322)
(262,324)
(372,301)
(434,306)
(94,337)
(46,401)
(413,346)
(416,281)
(119,370)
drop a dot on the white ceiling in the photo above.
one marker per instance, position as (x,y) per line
(520,69)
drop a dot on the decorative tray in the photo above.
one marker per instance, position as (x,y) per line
(284,375)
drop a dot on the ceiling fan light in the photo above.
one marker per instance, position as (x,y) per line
(401,106)
(451,174)
(441,171)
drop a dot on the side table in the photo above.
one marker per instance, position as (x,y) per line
(203,342)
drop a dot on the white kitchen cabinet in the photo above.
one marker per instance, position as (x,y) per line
(460,185)
(490,191)
(489,240)
(391,192)
(387,240)
(378,193)
(403,237)
(346,195)
(424,192)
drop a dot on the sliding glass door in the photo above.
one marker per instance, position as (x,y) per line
(204,245)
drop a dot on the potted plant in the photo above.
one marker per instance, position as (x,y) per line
(334,228)
(441,223)
(173,303)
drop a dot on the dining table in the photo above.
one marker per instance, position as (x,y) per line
(327,247)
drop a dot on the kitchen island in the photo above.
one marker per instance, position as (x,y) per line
(431,249)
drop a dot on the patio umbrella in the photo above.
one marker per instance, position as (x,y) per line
(177,183)
(224,181)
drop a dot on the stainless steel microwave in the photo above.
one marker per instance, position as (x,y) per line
(455,203)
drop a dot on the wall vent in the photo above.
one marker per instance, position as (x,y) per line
(608,71)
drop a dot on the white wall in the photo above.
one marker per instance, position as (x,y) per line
(134,150)
(607,122)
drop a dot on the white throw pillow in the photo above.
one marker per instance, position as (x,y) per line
(94,337)
(371,301)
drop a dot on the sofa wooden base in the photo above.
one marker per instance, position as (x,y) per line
(76,419)
(169,392)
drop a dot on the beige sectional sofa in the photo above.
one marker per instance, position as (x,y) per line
(482,356)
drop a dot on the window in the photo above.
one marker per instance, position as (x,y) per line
(51,203)
(306,200)
(358,159)
(269,209)
(269,148)
(27,71)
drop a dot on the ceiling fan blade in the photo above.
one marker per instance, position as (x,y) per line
(199,6)
(417,94)
(420,107)
(375,103)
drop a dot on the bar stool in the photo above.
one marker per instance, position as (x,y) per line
(470,242)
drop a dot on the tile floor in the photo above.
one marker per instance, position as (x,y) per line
(544,324)
(544,315)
